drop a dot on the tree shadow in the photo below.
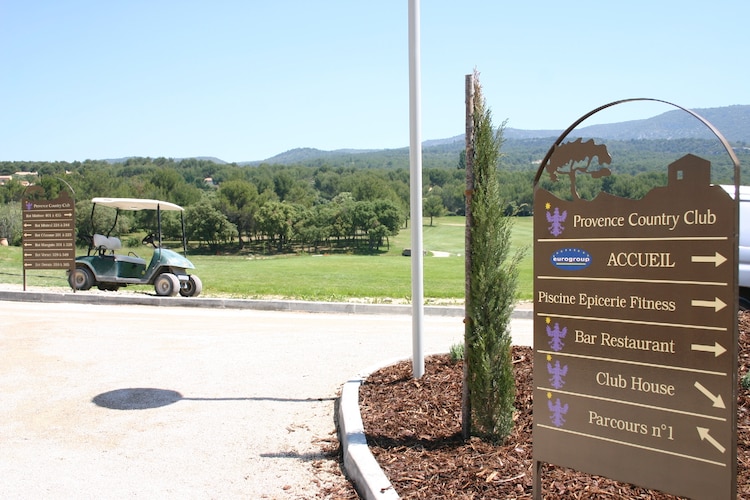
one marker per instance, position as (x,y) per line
(143,398)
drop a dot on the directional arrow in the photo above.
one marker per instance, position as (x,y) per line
(717,349)
(717,304)
(717,259)
(718,402)
(705,436)
(27,224)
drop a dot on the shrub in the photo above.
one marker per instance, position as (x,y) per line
(457,353)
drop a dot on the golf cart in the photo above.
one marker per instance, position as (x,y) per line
(104,268)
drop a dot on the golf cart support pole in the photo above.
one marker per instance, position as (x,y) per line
(114,224)
(93,229)
(184,238)
(158,223)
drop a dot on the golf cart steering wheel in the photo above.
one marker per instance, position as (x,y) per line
(149,240)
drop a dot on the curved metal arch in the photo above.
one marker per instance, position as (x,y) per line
(705,122)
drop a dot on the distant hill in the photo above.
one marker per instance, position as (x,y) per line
(732,121)
(206,158)
(300,155)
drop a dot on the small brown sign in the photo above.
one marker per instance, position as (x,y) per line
(635,334)
(48,233)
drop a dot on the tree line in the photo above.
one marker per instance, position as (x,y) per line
(326,204)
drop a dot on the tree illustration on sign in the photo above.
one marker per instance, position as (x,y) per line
(565,157)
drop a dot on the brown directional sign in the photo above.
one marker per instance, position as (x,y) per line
(48,233)
(635,335)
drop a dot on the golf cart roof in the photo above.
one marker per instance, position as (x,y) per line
(135,204)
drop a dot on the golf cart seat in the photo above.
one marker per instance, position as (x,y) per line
(112,243)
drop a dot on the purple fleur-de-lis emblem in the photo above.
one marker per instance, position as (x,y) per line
(556,336)
(558,411)
(556,219)
(557,372)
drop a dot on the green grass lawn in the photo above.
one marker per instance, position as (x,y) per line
(326,277)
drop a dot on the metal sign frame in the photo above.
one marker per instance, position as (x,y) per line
(635,326)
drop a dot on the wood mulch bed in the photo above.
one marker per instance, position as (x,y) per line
(413,428)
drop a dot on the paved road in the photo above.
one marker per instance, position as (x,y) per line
(136,401)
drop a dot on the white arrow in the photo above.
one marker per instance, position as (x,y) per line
(717,349)
(717,304)
(716,259)
(718,402)
(705,436)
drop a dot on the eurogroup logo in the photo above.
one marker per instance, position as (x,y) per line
(571,259)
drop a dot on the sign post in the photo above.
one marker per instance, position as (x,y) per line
(635,334)
(48,234)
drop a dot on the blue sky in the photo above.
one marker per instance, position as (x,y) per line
(247,79)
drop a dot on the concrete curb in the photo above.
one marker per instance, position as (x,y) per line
(363,470)
(219,303)
(360,465)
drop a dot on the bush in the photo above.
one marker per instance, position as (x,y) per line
(457,353)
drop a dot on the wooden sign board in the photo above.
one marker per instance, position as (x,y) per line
(635,335)
(48,233)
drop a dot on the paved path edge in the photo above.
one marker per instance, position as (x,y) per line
(114,298)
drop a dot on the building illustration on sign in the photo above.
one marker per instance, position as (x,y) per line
(635,328)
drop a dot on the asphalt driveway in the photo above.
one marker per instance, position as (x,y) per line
(133,401)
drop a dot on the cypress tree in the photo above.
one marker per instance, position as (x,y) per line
(492,287)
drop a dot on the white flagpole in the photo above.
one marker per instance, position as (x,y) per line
(415,168)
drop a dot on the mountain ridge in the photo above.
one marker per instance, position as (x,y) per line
(733,122)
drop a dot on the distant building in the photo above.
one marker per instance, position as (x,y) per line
(21,177)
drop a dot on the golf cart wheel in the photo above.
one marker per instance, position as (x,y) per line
(192,287)
(81,279)
(167,285)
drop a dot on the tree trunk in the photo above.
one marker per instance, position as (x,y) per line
(465,396)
